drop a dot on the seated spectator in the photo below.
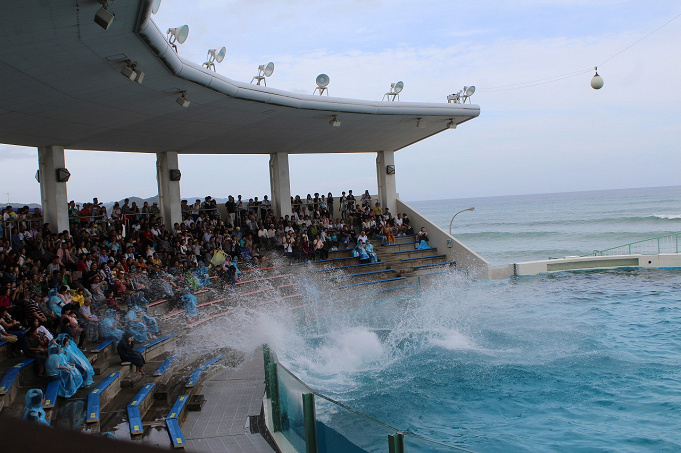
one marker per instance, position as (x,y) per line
(76,356)
(36,348)
(58,368)
(108,327)
(127,353)
(12,327)
(89,321)
(33,411)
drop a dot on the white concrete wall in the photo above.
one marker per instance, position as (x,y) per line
(597,262)
(465,257)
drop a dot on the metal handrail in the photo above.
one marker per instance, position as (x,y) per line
(667,244)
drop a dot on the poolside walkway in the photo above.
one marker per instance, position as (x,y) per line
(231,397)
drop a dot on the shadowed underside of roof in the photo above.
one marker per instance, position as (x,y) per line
(62,85)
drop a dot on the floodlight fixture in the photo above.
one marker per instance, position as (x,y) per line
(334,121)
(420,123)
(215,56)
(467,93)
(263,71)
(128,71)
(182,99)
(104,17)
(322,81)
(394,93)
(596,80)
(461,96)
(177,35)
(155,5)
(131,72)
(454,98)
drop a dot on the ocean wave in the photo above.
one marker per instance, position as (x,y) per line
(668,216)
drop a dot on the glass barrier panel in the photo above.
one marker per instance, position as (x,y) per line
(340,430)
(291,407)
(421,445)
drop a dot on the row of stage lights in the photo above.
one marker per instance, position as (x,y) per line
(104,17)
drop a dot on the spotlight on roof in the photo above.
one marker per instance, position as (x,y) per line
(596,81)
(420,123)
(182,99)
(104,17)
(334,121)
(461,96)
(322,83)
(177,35)
(394,93)
(215,56)
(263,71)
(451,124)
(132,73)
(155,5)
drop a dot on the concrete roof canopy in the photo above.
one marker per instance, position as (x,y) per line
(62,85)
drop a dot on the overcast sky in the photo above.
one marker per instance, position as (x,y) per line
(550,137)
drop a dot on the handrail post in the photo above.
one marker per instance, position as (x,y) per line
(310,417)
(274,397)
(396,443)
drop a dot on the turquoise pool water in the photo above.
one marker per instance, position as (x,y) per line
(584,361)
(570,362)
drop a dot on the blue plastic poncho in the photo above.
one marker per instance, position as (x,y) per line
(54,304)
(76,356)
(201,275)
(70,379)
(423,245)
(73,411)
(136,325)
(190,304)
(370,250)
(107,326)
(34,407)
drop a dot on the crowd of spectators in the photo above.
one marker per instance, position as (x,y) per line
(65,282)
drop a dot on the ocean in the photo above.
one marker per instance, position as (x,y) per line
(575,361)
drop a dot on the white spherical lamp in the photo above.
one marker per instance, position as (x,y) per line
(596,81)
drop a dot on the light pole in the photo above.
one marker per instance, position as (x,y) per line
(472,208)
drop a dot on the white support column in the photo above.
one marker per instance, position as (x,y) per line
(52,192)
(280,184)
(387,189)
(168,190)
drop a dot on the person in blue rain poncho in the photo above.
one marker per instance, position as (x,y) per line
(59,369)
(34,407)
(54,303)
(370,250)
(201,274)
(108,326)
(76,356)
(189,301)
(361,252)
(140,324)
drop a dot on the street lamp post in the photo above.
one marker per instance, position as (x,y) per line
(472,208)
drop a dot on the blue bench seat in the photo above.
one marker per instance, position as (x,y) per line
(11,376)
(134,414)
(373,282)
(175,433)
(164,366)
(93,398)
(422,257)
(51,394)
(359,274)
(194,377)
